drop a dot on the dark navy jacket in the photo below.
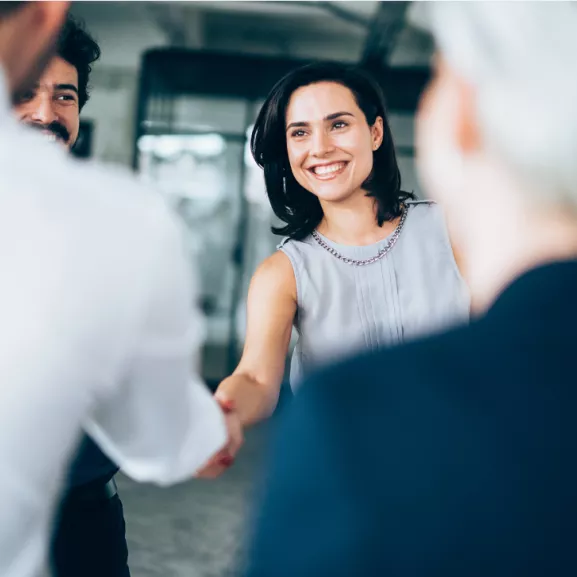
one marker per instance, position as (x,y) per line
(454,456)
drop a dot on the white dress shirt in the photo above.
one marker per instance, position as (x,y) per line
(97,331)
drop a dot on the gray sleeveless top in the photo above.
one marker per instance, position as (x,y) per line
(414,290)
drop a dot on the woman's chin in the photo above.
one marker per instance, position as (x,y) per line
(336,194)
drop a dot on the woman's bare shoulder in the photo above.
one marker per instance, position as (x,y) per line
(275,273)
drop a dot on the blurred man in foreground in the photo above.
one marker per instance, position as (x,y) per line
(461,462)
(90,535)
(97,328)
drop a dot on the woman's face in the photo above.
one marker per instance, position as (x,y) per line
(329,142)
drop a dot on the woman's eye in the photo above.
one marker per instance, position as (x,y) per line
(340,124)
(298,133)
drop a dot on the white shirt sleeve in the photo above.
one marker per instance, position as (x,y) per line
(162,424)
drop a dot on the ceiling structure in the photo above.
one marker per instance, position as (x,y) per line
(349,31)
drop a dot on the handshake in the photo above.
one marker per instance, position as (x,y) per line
(220,462)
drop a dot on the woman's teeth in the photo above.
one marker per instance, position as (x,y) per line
(328,170)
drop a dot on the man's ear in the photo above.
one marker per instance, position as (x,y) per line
(467,128)
(44,19)
(28,36)
(51,15)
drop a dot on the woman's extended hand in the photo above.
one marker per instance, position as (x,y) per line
(225,457)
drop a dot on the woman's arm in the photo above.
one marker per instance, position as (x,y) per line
(251,393)
(253,389)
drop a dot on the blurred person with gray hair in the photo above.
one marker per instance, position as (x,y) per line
(461,461)
(99,329)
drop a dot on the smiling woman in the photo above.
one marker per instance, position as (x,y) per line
(314,118)
(364,266)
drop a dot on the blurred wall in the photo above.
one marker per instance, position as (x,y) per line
(123,34)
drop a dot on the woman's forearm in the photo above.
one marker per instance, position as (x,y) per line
(253,401)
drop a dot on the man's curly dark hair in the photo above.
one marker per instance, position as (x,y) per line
(77,47)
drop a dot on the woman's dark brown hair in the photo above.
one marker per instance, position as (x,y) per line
(298,208)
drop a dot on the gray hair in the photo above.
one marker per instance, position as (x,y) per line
(521,59)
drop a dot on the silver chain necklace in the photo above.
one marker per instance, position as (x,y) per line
(381,254)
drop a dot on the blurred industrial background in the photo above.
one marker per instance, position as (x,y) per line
(174,97)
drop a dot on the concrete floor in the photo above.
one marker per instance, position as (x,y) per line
(199,528)
(196,529)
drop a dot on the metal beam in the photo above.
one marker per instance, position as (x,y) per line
(388,22)
(338,12)
(168,18)
(251,76)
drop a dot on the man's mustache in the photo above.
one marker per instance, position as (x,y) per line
(55,127)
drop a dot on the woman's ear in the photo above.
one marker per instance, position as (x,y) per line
(377,130)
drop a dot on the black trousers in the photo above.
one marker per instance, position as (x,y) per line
(90,538)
